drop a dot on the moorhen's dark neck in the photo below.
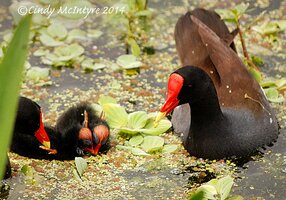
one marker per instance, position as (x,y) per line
(206,110)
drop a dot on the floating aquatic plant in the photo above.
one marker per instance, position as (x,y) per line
(137,127)
(215,189)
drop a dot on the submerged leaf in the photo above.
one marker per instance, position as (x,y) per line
(152,143)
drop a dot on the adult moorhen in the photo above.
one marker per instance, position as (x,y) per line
(230,115)
(82,132)
(30,137)
(192,51)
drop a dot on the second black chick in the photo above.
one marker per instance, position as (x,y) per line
(82,132)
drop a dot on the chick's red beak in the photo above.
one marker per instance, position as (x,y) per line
(101,133)
(175,83)
(42,135)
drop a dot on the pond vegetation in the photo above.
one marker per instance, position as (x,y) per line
(120,62)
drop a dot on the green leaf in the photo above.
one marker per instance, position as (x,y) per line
(97,107)
(136,140)
(134,151)
(224,186)
(38,73)
(280,83)
(141,4)
(255,73)
(76,34)
(49,41)
(128,62)
(27,170)
(137,120)
(129,131)
(106,99)
(116,116)
(76,175)
(273,95)
(209,191)
(57,31)
(68,52)
(170,148)
(88,64)
(135,49)
(80,165)
(162,127)
(93,33)
(268,83)
(143,13)
(152,143)
(139,152)
(11,70)
(40,52)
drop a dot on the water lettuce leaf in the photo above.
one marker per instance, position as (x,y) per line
(137,120)
(135,151)
(136,140)
(49,41)
(152,143)
(116,115)
(57,31)
(128,62)
(273,95)
(170,148)
(38,73)
(80,165)
(162,127)
(106,99)
(224,186)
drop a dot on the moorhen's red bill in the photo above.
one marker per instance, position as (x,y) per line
(30,137)
(230,115)
(82,132)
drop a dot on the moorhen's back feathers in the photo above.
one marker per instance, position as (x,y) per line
(237,88)
(189,45)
